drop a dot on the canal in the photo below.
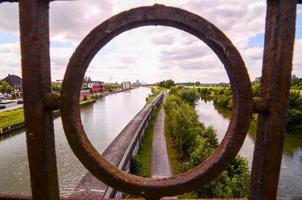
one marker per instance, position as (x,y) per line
(102,122)
(290,184)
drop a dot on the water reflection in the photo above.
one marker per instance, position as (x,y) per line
(102,122)
(290,183)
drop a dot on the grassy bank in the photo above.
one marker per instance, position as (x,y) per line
(16,116)
(142,162)
(11,117)
(172,152)
(190,143)
(155,90)
(222,97)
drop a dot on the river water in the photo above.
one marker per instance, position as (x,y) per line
(290,184)
(102,122)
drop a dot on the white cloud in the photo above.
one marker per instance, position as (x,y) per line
(74,20)
(10,60)
(163,39)
(9,17)
(297,61)
(149,53)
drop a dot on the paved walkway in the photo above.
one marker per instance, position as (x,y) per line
(90,187)
(160,161)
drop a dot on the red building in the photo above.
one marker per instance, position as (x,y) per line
(97,87)
(84,95)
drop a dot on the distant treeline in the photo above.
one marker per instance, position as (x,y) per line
(222,97)
(169,83)
(201,84)
(296,83)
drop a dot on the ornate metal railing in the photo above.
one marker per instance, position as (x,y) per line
(271,106)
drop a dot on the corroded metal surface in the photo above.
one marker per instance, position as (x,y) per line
(271,106)
(36,84)
(202,29)
(275,85)
(15,1)
(20,197)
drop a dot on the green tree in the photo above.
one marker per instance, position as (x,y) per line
(294,119)
(112,86)
(194,143)
(189,95)
(56,87)
(296,82)
(166,84)
(5,88)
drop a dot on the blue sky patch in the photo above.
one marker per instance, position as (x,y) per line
(8,38)
(60,44)
(299,23)
(257,41)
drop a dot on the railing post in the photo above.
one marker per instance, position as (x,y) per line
(34,28)
(275,85)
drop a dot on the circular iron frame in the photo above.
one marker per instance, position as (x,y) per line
(205,31)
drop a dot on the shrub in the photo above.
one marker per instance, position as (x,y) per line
(195,143)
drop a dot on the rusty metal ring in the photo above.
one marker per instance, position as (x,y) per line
(202,29)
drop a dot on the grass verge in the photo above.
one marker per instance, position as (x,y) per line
(16,116)
(142,162)
(155,90)
(172,152)
(11,117)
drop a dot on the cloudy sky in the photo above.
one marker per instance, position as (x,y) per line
(148,54)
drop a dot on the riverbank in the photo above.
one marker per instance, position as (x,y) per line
(13,120)
(190,142)
(141,163)
(102,121)
(290,181)
(222,97)
(104,94)
(120,152)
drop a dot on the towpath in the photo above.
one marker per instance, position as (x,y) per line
(160,161)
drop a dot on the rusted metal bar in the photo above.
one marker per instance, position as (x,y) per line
(260,105)
(271,106)
(202,29)
(275,85)
(34,27)
(20,197)
(24,197)
(16,1)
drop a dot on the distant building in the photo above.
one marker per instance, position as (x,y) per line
(137,83)
(126,85)
(16,83)
(84,95)
(95,87)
